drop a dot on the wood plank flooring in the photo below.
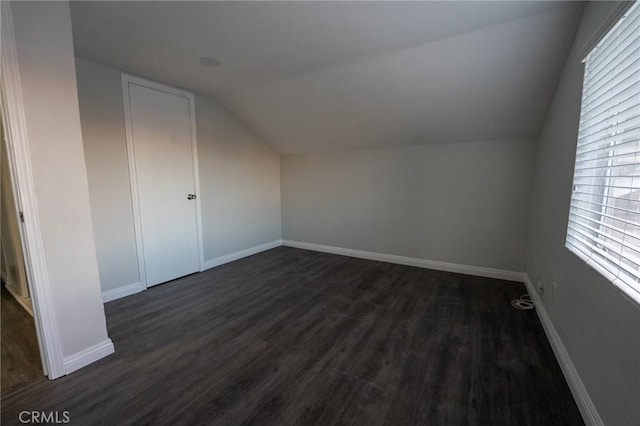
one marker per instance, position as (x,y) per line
(292,336)
(20,358)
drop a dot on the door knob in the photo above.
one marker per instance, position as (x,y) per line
(191,196)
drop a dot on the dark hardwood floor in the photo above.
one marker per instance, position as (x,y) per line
(19,359)
(297,337)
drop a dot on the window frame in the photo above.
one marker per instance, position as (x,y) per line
(601,236)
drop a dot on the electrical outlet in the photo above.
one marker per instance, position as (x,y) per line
(540,286)
(554,288)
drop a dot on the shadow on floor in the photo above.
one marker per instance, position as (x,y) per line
(20,360)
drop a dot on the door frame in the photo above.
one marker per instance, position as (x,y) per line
(19,156)
(128,79)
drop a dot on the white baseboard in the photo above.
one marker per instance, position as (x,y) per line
(128,290)
(87,356)
(240,254)
(580,394)
(412,261)
(117,293)
(25,302)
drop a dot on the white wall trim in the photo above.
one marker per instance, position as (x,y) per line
(87,356)
(242,253)
(412,261)
(579,391)
(128,79)
(134,288)
(25,302)
(133,181)
(24,191)
(120,292)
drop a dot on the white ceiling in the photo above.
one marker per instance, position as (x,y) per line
(316,76)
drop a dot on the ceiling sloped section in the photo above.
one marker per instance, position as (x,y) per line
(309,77)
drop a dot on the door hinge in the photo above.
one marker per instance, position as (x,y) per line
(21,214)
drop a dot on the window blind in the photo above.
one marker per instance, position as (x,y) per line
(604,216)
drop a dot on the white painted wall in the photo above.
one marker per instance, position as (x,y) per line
(239,178)
(598,325)
(239,181)
(45,55)
(464,203)
(105,151)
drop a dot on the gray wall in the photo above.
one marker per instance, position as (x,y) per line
(45,56)
(599,326)
(239,178)
(465,203)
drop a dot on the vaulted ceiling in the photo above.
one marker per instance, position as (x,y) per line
(317,76)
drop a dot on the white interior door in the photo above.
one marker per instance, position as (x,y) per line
(162,147)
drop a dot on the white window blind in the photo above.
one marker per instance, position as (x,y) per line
(604,217)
